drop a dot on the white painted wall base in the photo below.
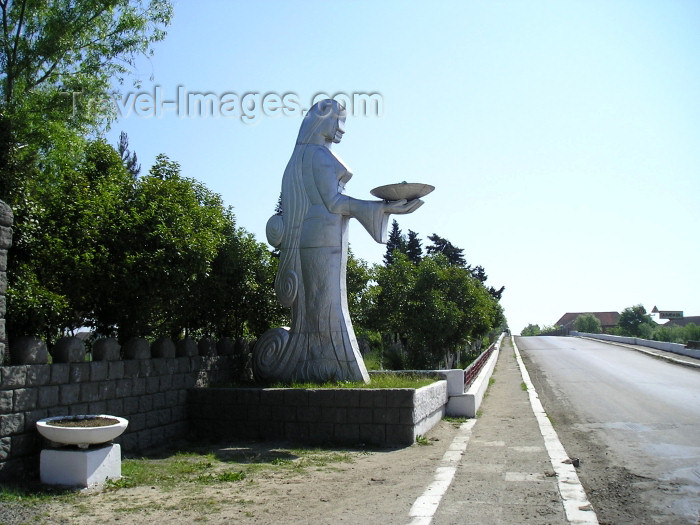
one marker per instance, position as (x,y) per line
(466,404)
(429,422)
(455,381)
(659,345)
(80,468)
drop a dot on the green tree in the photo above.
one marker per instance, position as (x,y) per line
(359,278)
(433,308)
(158,255)
(394,283)
(441,245)
(414,251)
(60,251)
(236,299)
(530,330)
(56,58)
(58,62)
(587,323)
(128,157)
(496,294)
(396,241)
(550,330)
(479,273)
(456,257)
(173,233)
(691,332)
(448,307)
(635,322)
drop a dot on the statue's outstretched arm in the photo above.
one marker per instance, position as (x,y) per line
(373,215)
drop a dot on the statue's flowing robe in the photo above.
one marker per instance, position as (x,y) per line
(320,345)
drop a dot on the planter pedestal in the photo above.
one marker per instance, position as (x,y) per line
(81,468)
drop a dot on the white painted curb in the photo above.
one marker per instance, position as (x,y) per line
(576,505)
(424,508)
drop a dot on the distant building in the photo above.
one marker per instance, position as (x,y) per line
(608,320)
(695,319)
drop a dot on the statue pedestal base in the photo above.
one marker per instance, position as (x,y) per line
(81,468)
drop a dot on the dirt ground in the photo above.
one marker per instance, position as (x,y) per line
(358,485)
(367,486)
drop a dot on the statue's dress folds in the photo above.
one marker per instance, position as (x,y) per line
(312,235)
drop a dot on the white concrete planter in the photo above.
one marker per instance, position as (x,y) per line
(83,437)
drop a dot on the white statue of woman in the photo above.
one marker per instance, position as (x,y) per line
(312,235)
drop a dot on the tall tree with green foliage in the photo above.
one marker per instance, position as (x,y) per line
(434,308)
(447,308)
(394,282)
(359,289)
(64,245)
(128,157)
(454,255)
(174,231)
(396,241)
(94,244)
(635,322)
(158,255)
(414,250)
(236,298)
(58,62)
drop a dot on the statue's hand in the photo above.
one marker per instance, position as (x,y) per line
(403,206)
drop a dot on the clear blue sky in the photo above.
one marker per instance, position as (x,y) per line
(563,138)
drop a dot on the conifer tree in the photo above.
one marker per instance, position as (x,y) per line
(413,247)
(131,162)
(396,242)
(441,245)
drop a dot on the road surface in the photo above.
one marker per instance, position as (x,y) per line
(634,421)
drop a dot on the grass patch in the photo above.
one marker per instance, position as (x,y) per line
(523,386)
(223,477)
(34,493)
(207,467)
(376,381)
(488,388)
(373,360)
(456,421)
(459,420)
(422,440)
(191,468)
(318,458)
(180,467)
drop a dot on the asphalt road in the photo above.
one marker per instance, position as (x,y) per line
(634,420)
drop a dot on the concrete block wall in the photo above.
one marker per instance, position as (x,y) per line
(150,393)
(381,417)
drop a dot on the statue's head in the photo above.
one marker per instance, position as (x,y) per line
(324,122)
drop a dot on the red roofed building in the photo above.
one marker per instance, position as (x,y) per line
(695,319)
(608,320)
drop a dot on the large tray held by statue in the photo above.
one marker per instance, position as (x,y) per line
(402,190)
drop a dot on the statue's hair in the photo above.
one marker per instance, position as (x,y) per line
(320,121)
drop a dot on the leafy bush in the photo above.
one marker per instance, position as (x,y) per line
(677,334)
(587,323)
(531,330)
